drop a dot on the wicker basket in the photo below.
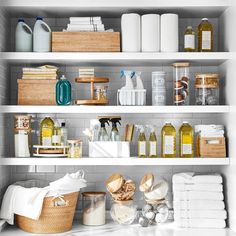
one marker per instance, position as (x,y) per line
(54,218)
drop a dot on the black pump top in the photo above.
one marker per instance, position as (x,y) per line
(21,20)
(39,18)
(115,120)
(103,121)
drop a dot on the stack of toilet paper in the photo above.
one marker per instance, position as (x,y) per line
(198,201)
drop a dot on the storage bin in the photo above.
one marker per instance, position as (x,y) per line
(131,97)
(36,92)
(86,42)
(109,149)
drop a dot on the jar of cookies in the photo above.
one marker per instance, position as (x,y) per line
(206,89)
(181,83)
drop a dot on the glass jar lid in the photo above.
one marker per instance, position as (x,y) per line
(73,141)
(207,81)
(93,194)
(181,64)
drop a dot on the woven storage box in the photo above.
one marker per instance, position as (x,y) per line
(86,42)
(53,218)
(211,147)
(36,92)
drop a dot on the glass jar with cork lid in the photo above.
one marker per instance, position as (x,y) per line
(75,148)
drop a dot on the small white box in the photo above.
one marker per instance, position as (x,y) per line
(109,149)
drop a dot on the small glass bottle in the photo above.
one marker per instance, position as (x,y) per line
(186,139)
(205,36)
(168,140)
(64,134)
(189,40)
(56,137)
(152,142)
(63,91)
(75,148)
(142,152)
(46,131)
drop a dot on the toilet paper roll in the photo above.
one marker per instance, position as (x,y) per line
(130,32)
(169,33)
(150,33)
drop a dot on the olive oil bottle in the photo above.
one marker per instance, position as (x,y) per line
(189,40)
(152,142)
(205,36)
(46,131)
(56,137)
(168,140)
(186,140)
(142,144)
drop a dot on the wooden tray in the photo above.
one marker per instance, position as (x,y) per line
(91,102)
(91,80)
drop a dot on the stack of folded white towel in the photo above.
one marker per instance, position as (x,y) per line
(198,201)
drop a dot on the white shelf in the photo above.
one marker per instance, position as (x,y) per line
(133,161)
(114,109)
(119,58)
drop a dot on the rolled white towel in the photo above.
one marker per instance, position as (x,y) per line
(198,205)
(201,223)
(191,178)
(197,195)
(198,187)
(202,214)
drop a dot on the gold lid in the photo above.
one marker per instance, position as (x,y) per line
(146,182)
(207,80)
(93,194)
(181,64)
(207,75)
(74,141)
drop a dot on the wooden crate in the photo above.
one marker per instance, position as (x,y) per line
(36,92)
(86,42)
(211,147)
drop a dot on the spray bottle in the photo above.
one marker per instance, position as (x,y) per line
(115,136)
(139,82)
(152,142)
(142,144)
(102,135)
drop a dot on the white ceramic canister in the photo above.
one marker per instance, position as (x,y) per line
(23,37)
(42,36)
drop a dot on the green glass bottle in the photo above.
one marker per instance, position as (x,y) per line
(63,91)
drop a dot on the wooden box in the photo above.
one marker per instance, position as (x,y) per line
(211,147)
(36,92)
(86,42)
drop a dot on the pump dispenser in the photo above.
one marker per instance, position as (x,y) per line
(102,135)
(115,136)
(142,152)
(152,142)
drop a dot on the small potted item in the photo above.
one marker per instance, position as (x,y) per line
(155,209)
(123,210)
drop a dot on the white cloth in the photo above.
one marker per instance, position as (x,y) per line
(200,214)
(150,33)
(198,187)
(169,33)
(191,178)
(198,205)
(92,19)
(201,223)
(197,195)
(22,201)
(131,32)
(92,27)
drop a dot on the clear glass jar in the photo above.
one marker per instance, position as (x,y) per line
(22,136)
(207,89)
(124,212)
(158,88)
(181,83)
(94,208)
(100,93)
(75,148)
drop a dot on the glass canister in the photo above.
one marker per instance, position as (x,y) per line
(100,93)
(124,212)
(94,208)
(22,136)
(207,89)
(181,83)
(75,148)
(158,88)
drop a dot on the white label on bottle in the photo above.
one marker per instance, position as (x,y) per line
(56,139)
(206,40)
(142,148)
(169,144)
(189,41)
(153,149)
(47,141)
(187,149)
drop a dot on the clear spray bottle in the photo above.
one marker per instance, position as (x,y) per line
(142,144)
(152,142)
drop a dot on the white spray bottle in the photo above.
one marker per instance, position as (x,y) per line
(139,82)
(152,142)
(142,144)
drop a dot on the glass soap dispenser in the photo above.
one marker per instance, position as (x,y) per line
(63,91)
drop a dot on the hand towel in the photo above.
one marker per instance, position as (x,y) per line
(86,19)
(150,33)
(191,178)
(197,195)
(198,187)
(201,223)
(198,205)
(131,32)
(203,214)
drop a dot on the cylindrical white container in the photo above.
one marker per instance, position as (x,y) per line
(158,88)
(169,33)
(42,36)
(150,33)
(130,32)
(23,37)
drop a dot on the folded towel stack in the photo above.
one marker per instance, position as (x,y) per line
(89,24)
(206,131)
(86,72)
(42,72)
(198,201)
